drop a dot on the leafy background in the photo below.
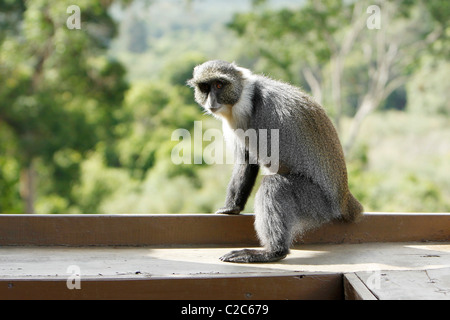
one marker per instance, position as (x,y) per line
(86,116)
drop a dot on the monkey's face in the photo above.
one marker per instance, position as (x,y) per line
(218,86)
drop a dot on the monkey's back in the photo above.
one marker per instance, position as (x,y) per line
(308,142)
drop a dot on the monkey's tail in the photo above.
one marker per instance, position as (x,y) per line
(353,211)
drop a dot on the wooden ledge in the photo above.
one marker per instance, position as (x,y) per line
(312,271)
(290,286)
(206,230)
(176,257)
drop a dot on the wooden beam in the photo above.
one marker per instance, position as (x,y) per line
(206,229)
(355,289)
(126,230)
(243,287)
(430,284)
(385,227)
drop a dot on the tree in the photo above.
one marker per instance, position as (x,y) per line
(320,41)
(148,179)
(156,109)
(392,53)
(60,94)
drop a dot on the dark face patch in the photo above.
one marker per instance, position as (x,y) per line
(219,78)
(204,87)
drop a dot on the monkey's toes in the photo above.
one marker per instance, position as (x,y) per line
(238,256)
(250,255)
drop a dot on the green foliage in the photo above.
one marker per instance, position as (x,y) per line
(59,94)
(101,144)
(156,110)
(9,178)
(137,37)
(402,163)
(283,37)
(179,70)
(430,95)
(146,177)
(197,28)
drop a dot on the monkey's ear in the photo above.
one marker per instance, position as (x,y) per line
(191,83)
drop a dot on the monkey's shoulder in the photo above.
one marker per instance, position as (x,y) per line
(278,104)
(269,92)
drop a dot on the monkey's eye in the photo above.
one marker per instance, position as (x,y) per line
(219,85)
(204,87)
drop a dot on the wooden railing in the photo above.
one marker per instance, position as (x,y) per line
(207,229)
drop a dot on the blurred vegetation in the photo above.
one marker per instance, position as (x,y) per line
(86,116)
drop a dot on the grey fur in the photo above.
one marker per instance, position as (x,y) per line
(217,70)
(310,187)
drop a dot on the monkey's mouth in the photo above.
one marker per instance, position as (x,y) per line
(215,108)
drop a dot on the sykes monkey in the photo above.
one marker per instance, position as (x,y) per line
(308,186)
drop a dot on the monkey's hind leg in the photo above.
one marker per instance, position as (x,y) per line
(275,221)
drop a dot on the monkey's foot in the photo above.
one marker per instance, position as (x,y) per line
(250,255)
(229,210)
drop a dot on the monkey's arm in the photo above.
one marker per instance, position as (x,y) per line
(239,189)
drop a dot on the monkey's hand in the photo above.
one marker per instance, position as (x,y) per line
(229,210)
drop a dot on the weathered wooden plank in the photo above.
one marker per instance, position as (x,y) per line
(278,287)
(126,230)
(355,289)
(385,227)
(206,229)
(431,284)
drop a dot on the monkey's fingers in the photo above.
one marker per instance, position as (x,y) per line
(229,210)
